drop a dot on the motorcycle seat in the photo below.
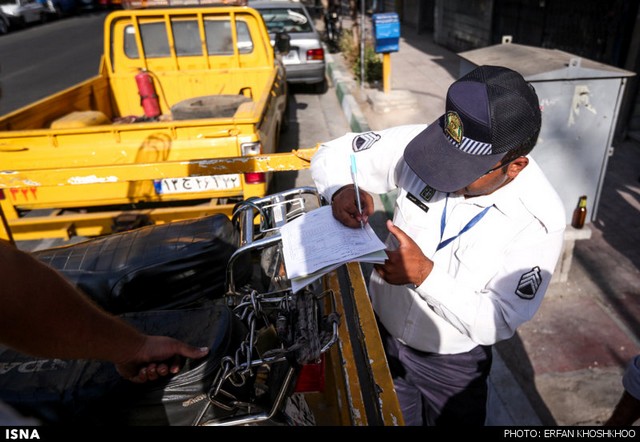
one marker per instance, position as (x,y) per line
(153,267)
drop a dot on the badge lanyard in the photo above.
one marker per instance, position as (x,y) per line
(470,224)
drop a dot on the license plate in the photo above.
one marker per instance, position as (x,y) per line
(197,184)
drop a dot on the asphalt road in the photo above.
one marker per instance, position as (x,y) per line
(43,59)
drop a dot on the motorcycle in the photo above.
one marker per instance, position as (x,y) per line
(333,27)
(214,281)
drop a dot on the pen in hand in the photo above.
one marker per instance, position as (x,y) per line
(354,177)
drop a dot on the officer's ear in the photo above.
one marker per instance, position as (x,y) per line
(516,166)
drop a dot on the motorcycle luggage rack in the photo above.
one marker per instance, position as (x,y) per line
(274,211)
(298,315)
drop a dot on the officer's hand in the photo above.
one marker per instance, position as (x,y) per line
(345,208)
(407,264)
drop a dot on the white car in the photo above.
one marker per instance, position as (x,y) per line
(23,12)
(4,23)
(305,62)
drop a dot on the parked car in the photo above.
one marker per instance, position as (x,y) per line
(88,5)
(305,62)
(60,8)
(23,12)
(110,4)
(4,23)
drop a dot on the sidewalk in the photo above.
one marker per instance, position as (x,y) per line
(565,366)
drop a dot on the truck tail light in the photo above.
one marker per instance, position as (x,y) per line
(254,177)
(315,54)
(2,194)
(249,149)
(311,377)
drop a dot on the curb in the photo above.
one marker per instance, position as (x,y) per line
(343,84)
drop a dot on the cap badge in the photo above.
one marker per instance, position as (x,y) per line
(453,126)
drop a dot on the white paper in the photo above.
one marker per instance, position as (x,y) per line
(316,243)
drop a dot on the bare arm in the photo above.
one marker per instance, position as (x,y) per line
(44,315)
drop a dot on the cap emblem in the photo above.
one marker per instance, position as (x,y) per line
(453,126)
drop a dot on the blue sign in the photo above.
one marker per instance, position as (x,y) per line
(386,32)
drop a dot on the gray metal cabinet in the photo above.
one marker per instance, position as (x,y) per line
(580,101)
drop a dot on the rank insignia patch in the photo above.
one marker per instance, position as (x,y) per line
(427,193)
(529,283)
(364,141)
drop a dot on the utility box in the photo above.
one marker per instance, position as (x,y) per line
(386,32)
(580,101)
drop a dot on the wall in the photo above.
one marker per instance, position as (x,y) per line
(461,25)
(604,31)
(417,14)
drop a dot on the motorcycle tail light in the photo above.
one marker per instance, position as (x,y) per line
(311,377)
(315,54)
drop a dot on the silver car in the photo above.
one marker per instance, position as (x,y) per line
(4,23)
(23,12)
(305,62)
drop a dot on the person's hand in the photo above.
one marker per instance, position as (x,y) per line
(345,208)
(405,265)
(157,357)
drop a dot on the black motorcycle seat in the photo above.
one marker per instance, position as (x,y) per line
(153,267)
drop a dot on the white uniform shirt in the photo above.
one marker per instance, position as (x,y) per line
(484,283)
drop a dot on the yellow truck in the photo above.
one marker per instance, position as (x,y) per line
(175,85)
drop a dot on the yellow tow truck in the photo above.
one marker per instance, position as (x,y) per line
(175,84)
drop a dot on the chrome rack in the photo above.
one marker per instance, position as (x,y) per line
(271,313)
